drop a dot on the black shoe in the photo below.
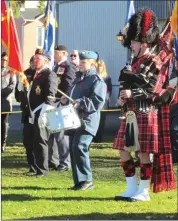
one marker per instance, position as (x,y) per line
(62,168)
(85,185)
(39,174)
(53,166)
(174,160)
(74,187)
(121,198)
(31,171)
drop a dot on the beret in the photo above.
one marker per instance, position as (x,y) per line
(88,55)
(60,48)
(43,53)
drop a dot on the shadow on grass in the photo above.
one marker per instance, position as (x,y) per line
(31,188)
(101,145)
(13,162)
(26,197)
(104,164)
(105,158)
(114,216)
(15,139)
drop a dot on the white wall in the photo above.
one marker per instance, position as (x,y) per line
(93,25)
(31,4)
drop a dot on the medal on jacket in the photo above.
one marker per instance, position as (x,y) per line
(61,71)
(38,90)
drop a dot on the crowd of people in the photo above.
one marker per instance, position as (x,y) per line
(145,99)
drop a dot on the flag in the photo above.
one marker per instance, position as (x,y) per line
(174,19)
(50,24)
(10,41)
(130,12)
(174,26)
(171,5)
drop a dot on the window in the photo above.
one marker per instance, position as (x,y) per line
(40,37)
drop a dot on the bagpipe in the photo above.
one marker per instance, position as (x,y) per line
(143,82)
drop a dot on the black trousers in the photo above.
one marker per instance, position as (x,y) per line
(40,142)
(174,137)
(29,146)
(4,130)
(99,136)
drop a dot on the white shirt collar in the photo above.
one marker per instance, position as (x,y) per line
(38,71)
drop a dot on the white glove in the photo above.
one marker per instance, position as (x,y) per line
(43,120)
(20,86)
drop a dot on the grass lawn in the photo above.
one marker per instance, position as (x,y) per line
(47,198)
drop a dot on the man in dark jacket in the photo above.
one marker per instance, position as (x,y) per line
(27,128)
(8,82)
(40,93)
(59,156)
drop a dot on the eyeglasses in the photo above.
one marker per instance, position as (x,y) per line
(3,59)
(73,55)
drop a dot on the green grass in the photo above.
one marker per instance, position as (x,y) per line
(47,198)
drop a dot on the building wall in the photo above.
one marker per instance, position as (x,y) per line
(160,8)
(93,25)
(31,4)
(19,27)
(30,40)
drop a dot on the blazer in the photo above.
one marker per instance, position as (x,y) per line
(65,75)
(44,84)
(8,82)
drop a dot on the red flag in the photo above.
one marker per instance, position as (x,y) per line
(11,42)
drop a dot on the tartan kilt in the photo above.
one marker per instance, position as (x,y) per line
(148,132)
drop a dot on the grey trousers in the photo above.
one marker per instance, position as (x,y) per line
(59,149)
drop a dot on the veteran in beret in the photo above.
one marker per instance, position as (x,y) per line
(43,86)
(89,93)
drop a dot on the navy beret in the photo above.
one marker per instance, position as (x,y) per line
(88,55)
(43,53)
(60,48)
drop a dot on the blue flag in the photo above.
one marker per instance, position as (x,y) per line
(174,11)
(50,29)
(130,12)
(171,5)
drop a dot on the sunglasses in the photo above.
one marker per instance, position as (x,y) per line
(73,55)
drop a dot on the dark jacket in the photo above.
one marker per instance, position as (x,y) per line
(108,83)
(174,107)
(8,83)
(66,76)
(22,96)
(44,85)
(90,91)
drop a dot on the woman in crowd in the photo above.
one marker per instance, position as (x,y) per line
(101,69)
